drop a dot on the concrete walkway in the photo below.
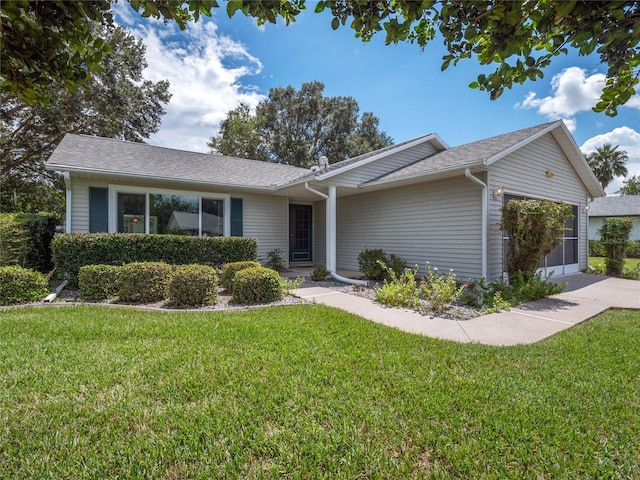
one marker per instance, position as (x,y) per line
(584,297)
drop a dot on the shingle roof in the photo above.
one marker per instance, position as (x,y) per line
(118,157)
(622,206)
(465,155)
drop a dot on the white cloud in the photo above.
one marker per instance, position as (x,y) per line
(572,92)
(206,71)
(628,140)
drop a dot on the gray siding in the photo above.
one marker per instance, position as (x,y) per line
(439,222)
(376,168)
(524,173)
(595,223)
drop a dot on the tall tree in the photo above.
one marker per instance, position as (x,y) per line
(631,186)
(607,162)
(296,127)
(519,37)
(116,103)
(240,135)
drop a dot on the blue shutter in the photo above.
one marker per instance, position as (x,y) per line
(236,217)
(98,210)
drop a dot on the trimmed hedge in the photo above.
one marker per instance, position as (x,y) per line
(20,285)
(74,250)
(26,240)
(143,282)
(193,286)
(596,249)
(98,282)
(256,285)
(230,270)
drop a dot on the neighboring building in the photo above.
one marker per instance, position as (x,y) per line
(606,207)
(419,199)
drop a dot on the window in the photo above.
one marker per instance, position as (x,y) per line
(131,213)
(141,210)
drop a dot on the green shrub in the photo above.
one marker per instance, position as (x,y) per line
(438,290)
(369,263)
(98,282)
(614,235)
(596,249)
(71,251)
(633,249)
(474,293)
(229,272)
(535,229)
(143,282)
(319,273)
(289,284)
(275,260)
(193,286)
(21,285)
(13,240)
(25,240)
(399,291)
(256,285)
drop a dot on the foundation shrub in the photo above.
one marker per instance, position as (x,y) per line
(399,291)
(275,260)
(143,282)
(319,273)
(231,269)
(74,250)
(98,282)
(256,285)
(440,290)
(21,285)
(376,264)
(193,286)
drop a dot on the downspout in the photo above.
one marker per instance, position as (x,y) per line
(485,218)
(330,231)
(67,213)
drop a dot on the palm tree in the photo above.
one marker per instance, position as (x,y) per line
(607,162)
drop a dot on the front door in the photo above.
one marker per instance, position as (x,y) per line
(300,233)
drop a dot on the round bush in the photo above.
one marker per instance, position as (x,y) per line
(256,285)
(20,285)
(230,270)
(98,282)
(193,286)
(143,282)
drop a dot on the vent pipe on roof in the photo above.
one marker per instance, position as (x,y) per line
(323,162)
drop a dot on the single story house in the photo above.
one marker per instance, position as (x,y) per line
(420,199)
(627,206)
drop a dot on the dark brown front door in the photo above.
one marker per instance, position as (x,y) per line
(300,233)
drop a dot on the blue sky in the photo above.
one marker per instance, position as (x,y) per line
(218,62)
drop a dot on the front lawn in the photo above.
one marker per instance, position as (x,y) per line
(631,268)
(309,392)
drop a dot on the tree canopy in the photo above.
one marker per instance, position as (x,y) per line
(48,41)
(631,186)
(116,102)
(296,127)
(607,162)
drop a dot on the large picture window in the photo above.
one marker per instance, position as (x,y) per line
(140,210)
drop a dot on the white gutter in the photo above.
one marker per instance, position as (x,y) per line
(330,218)
(485,218)
(67,214)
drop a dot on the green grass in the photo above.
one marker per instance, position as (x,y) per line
(309,392)
(629,263)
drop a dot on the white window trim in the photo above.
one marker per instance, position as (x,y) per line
(114,190)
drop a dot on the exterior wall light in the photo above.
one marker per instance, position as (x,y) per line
(549,174)
(497,193)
